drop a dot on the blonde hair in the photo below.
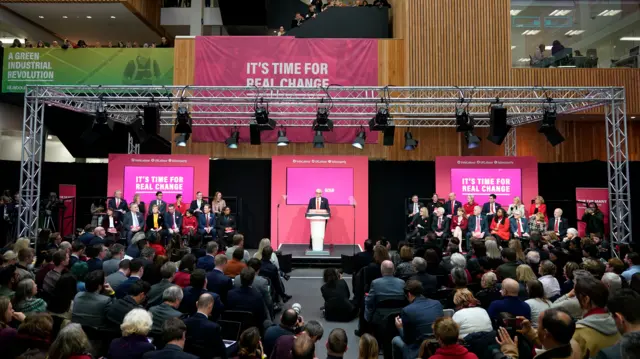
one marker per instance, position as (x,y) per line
(517,198)
(264,242)
(492,249)
(423,211)
(540,216)
(368,347)
(489,279)
(137,195)
(21,243)
(464,298)
(524,273)
(517,246)
(137,321)
(540,199)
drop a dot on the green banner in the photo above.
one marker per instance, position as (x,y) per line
(117,66)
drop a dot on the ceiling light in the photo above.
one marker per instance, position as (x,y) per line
(261,115)
(64,16)
(514,12)
(232,141)
(113,17)
(531,32)
(360,139)
(524,59)
(513,47)
(49,137)
(322,122)
(560,12)
(464,122)
(610,13)
(630,38)
(282,138)
(183,120)
(548,47)
(88,17)
(633,117)
(409,143)
(573,32)
(40,16)
(318,140)
(548,125)
(181,140)
(473,141)
(381,119)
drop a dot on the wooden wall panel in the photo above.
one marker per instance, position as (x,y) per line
(184,61)
(391,60)
(148,11)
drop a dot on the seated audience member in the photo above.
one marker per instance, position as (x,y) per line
(554,333)
(236,264)
(46,266)
(494,254)
(470,317)
(532,259)
(633,260)
(405,269)
(510,303)
(612,281)
(155,242)
(441,224)
(518,226)
(459,225)
(77,251)
(451,206)
(499,226)
(420,224)
(524,274)
(207,223)
(248,299)
(429,282)
(337,343)
(593,266)
(568,270)
(208,261)
(415,321)
(508,268)
(490,291)
(217,282)
(538,223)
(204,337)
(71,342)
(132,222)
(171,299)
(87,235)
(548,279)
(615,265)
(25,259)
(121,275)
(249,344)
(490,208)
(558,224)
(477,225)
(362,259)
(138,243)
(597,329)
(134,343)
(25,299)
(238,242)
(189,224)
(297,20)
(173,219)
(284,347)
(290,324)
(516,207)
(368,347)
(136,271)
(60,260)
(197,287)
(260,283)
(336,294)
(8,282)
(96,253)
(469,206)
(569,302)
(447,332)
(111,223)
(111,265)
(99,237)
(90,307)
(33,338)
(627,318)
(187,266)
(386,287)
(270,271)
(537,301)
(174,333)
(156,293)
(226,225)
(136,296)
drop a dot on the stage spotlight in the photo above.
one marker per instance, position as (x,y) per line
(181,139)
(101,123)
(360,139)
(261,114)
(183,120)
(473,141)
(409,143)
(381,120)
(232,141)
(322,122)
(464,122)
(282,138)
(498,128)
(548,125)
(318,140)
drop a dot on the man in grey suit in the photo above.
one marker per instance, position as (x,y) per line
(259,283)
(171,299)
(386,287)
(115,279)
(110,266)
(89,307)
(168,273)
(133,222)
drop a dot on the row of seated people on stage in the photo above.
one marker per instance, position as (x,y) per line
(472,221)
(123,298)
(400,297)
(200,218)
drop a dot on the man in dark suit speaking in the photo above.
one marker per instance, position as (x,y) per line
(318,202)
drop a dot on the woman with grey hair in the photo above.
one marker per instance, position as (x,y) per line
(71,342)
(571,234)
(458,261)
(25,299)
(133,344)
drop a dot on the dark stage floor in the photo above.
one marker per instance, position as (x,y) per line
(298,256)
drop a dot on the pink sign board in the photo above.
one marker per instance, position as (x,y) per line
(335,183)
(146,181)
(505,183)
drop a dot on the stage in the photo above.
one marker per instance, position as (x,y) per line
(298,256)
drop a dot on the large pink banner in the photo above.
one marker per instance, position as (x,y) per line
(284,62)
(584,196)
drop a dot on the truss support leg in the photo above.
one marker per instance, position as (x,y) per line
(133,148)
(510,143)
(618,169)
(31,164)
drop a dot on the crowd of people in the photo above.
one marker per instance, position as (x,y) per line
(318,6)
(81,44)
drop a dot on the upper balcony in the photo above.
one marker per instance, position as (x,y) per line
(582,34)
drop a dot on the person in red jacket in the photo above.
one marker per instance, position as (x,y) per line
(446,332)
(459,225)
(469,206)
(538,206)
(500,225)
(189,223)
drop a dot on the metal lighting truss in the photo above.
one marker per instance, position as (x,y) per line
(347,106)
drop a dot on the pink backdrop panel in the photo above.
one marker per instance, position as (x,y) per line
(598,195)
(483,175)
(132,174)
(290,221)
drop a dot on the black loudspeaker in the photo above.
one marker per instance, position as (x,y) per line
(254,134)
(389,133)
(152,119)
(498,128)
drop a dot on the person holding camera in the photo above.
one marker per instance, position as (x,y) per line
(594,219)
(290,323)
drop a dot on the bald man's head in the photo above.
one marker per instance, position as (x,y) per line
(386,268)
(558,327)
(510,287)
